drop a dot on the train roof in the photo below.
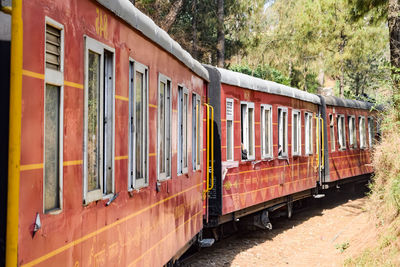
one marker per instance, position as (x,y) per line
(348,103)
(131,15)
(257,84)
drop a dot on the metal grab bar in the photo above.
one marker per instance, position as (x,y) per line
(317,143)
(212,148)
(322,144)
(208,148)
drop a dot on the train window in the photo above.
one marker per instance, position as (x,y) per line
(308,133)
(352,132)
(183,99)
(361,127)
(229,129)
(53,116)
(138,137)
(341,132)
(332,132)
(266,131)
(296,132)
(370,131)
(98,121)
(52,148)
(164,128)
(282,132)
(196,126)
(247,130)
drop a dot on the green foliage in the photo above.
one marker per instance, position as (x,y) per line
(264,72)
(343,246)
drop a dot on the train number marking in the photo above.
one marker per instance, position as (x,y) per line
(101,24)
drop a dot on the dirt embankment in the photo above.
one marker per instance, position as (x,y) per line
(325,234)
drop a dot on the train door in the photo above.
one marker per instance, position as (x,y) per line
(5,45)
(320,146)
(209,157)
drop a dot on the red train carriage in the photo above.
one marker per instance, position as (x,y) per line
(267,144)
(350,129)
(108,168)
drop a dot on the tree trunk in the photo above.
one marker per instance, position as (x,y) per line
(171,16)
(221,34)
(394,33)
(194,29)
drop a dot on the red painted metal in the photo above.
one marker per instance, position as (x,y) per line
(145,229)
(257,181)
(349,162)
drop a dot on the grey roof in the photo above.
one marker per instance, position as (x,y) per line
(131,15)
(257,84)
(348,103)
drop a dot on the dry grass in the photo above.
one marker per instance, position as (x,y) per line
(384,204)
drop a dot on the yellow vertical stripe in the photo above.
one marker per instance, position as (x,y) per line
(15,134)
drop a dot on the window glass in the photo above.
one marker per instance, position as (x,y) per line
(182,129)
(229,129)
(296,133)
(332,132)
(308,124)
(370,131)
(266,133)
(52,148)
(282,129)
(341,132)
(352,132)
(361,127)
(196,131)
(247,131)
(164,128)
(139,125)
(93,148)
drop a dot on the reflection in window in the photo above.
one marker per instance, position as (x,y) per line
(282,132)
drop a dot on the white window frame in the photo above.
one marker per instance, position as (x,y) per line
(196,135)
(263,131)
(282,129)
(180,150)
(341,132)
(135,183)
(298,153)
(167,81)
(246,130)
(332,132)
(230,118)
(363,135)
(56,78)
(351,122)
(370,131)
(308,133)
(97,47)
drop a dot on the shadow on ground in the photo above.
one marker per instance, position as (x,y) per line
(224,252)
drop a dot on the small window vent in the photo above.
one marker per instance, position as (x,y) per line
(229,108)
(53,44)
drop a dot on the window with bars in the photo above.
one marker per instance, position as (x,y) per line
(247,131)
(282,132)
(53,117)
(266,131)
(296,132)
(229,129)
(308,133)
(138,125)
(196,130)
(362,132)
(183,103)
(164,128)
(341,132)
(332,132)
(371,133)
(352,132)
(98,121)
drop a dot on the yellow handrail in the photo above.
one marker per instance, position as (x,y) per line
(317,143)
(212,148)
(323,144)
(208,148)
(14,144)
